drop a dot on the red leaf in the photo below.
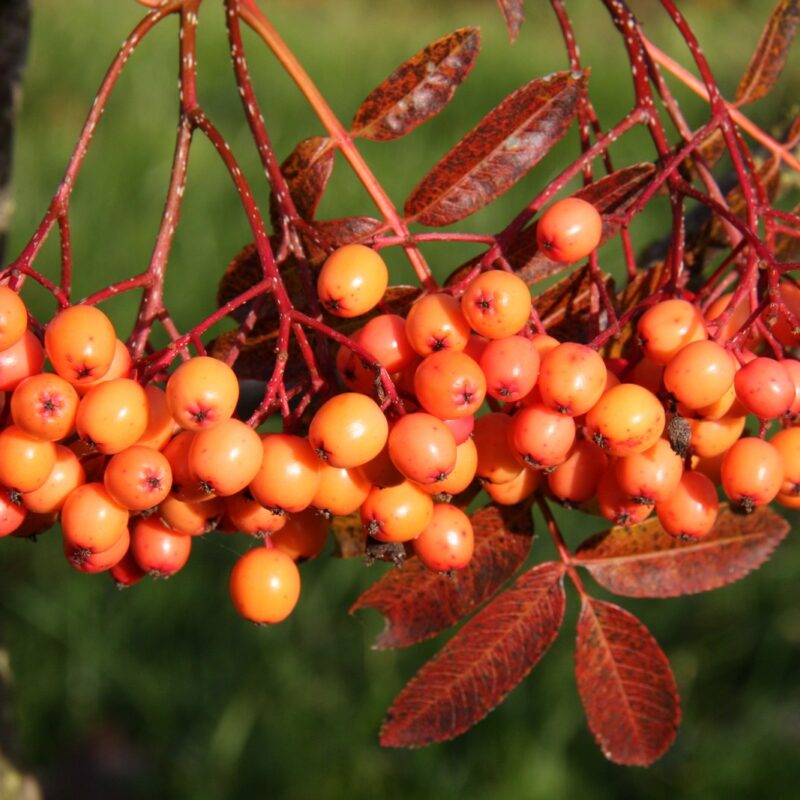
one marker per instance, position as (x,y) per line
(626,685)
(645,561)
(418,89)
(419,604)
(499,151)
(771,52)
(514,15)
(481,664)
(307,170)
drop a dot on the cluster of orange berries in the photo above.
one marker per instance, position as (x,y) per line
(134,473)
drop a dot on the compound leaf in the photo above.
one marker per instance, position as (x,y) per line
(482,663)
(645,561)
(499,151)
(307,170)
(626,685)
(514,14)
(418,89)
(419,604)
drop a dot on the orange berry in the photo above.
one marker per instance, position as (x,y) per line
(120,367)
(348,430)
(19,361)
(422,447)
(463,472)
(691,510)
(447,542)
(192,518)
(45,406)
(92,563)
(265,585)
(787,443)
(385,338)
(752,472)
(617,506)
(91,519)
(13,317)
(249,516)
(304,535)
(80,342)
(667,327)
(287,476)
(202,392)
(497,304)
(569,230)
(449,384)
(575,481)
(712,437)
(112,415)
(396,513)
(12,512)
(25,460)
(511,366)
(341,491)
(572,378)
(160,425)
(66,475)
(138,477)
(517,489)
(652,475)
(541,437)
(435,322)
(157,550)
(497,459)
(699,373)
(352,280)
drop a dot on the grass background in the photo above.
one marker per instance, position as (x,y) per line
(161,691)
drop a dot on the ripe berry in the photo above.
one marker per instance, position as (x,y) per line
(497,304)
(225,458)
(575,481)
(569,230)
(65,476)
(25,461)
(19,361)
(287,476)
(92,563)
(249,516)
(112,415)
(652,475)
(352,280)
(91,519)
(497,460)
(120,367)
(265,585)
(517,489)
(449,384)
(700,373)
(617,506)
(13,317)
(462,474)
(45,406)
(787,443)
(340,491)
(542,437)
(160,425)
(202,392)
(12,513)
(385,338)
(138,477)
(448,541)
(712,437)
(765,388)
(304,535)
(572,378)
(348,430)
(422,447)
(752,472)
(435,322)
(396,513)
(511,367)
(691,510)
(667,327)
(192,518)
(80,342)
(158,550)
(626,419)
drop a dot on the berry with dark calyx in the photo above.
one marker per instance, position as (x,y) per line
(569,230)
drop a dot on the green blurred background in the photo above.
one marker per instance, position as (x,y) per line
(161,691)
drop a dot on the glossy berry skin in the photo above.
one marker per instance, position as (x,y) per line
(160,425)
(126,572)
(511,367)
(652,475)
(712,437)
(765,388)
(112,415)
(575,481)
(13,317)
(288,474)
(158,550)
(385,338)
(517,489)
(80,343)
(617,506)
(450,384)
(396,513)
(100,561)
(348,430)
(691,510)
(541,437)
(352,280)
(787,443)
(422,447)
(25,461)
(699,373)
(448,541)
(66,475)
(627,419)
(340,491)
(498,462)
(120,367)
(435,322)
(249,516)
(572,378)
(569,230)
(668,326)
(91,519)
(497,304)
(201,393)
(45,406)
(192,518)
(225,458)
(462,474)
(792,366)
(12,514)
(138,477)
(752,472)
(264,585)
(19,361)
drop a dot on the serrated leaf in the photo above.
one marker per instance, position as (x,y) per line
(514,15)
(645,561)
(499,151)
(771,52)
(566,307)
(418,89)
(419,604)
(626,685)
(307,170)
(481,664)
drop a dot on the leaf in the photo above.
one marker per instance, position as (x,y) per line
(307,170)
(348,536)
(566,308)
(514,15)
(499,151)
(626,685)
(645,561)
(481,664)
(771,52)
(418,89)
(326,235)
(419,604)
